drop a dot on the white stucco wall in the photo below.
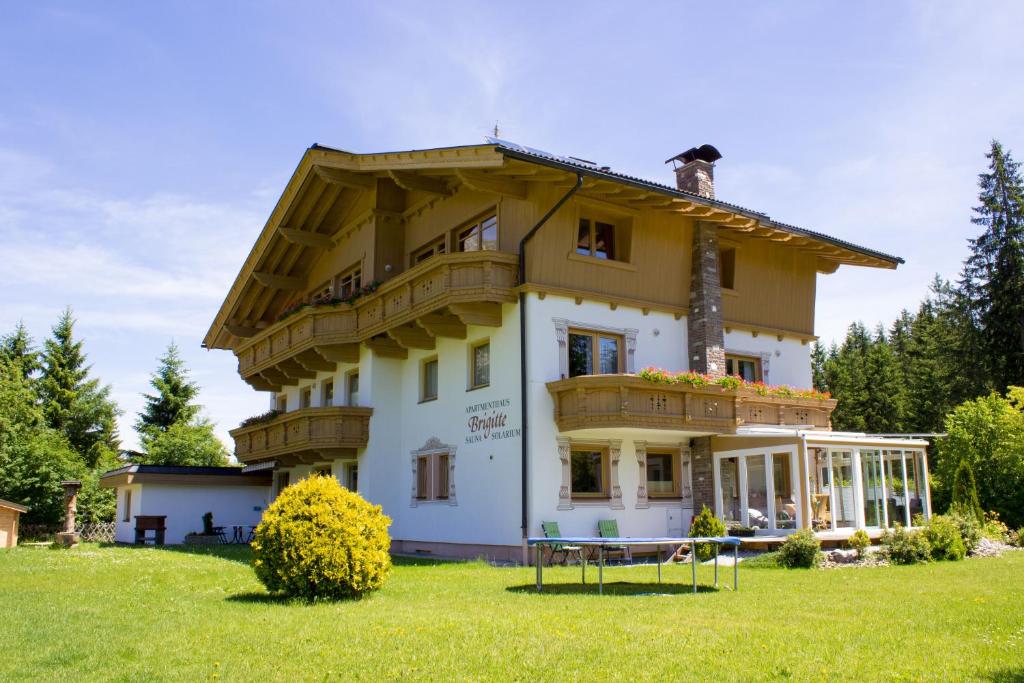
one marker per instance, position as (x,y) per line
(185,505)
(660,342)
(789,359)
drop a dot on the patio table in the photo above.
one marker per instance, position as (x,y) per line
(599,543)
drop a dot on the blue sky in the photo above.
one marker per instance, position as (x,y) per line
(142,145)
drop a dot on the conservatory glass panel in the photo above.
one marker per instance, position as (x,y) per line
(757,492)
(874,498)
(730,483)
(844,497)
(895,500)
(785,499)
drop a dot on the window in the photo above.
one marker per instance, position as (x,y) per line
(322,471)
(328,393)
(282,403)
(663,472)
(727,267)
(435,248)
(745,367)
(322,294)
(352,478)
(596,238)
(481,236)
(306,397)
(432,472)
(594,353)
(282,481)
(428,390)
(353,389)
(588,472)
(127,517)
(350,281)
(480,365)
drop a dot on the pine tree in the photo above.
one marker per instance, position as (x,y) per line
(850,380)
(19,348)
(173,400)
(993,276)
(73,403)
(884,406)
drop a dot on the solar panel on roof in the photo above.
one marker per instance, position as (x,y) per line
(508,144)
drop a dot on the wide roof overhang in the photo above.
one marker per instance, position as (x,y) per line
(319,206)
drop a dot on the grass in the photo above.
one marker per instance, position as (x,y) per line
(112,613)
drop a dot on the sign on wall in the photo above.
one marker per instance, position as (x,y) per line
(489,421)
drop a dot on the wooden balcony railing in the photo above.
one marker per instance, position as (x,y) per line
(604,401)
(306,435)
(438,297)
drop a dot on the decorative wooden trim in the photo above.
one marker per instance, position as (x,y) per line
(631,402)
(562,327)
(432,448)
(542,291)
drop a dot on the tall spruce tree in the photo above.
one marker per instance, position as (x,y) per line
(19,348)
(993,275)
(172,402)
(170,428)
(74,404)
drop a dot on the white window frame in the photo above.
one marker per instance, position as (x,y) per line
(741,486)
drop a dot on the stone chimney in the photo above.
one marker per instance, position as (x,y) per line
(695,170)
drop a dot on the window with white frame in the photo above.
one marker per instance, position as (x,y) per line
(349,282)
(428,379)
(480,365)
(482,235)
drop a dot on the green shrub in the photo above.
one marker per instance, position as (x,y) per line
(802,549)
(906,547)
(967,523)
(944,537)
(859,541)
(319,540)
(965,489)
(706,524)
(994,529)
(1017,537)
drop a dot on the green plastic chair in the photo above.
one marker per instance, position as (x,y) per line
(609,528)
(551,531)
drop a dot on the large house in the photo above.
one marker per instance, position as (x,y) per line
(463,334)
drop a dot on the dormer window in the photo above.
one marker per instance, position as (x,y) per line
(481,236)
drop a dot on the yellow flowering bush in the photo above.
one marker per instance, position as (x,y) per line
(319,540)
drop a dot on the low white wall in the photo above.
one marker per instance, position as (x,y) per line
(184,507)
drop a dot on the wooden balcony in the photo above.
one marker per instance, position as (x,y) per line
(305,436)
(436,298)
(626,401)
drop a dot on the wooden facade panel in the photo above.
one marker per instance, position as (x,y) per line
(309,429)
(774,286)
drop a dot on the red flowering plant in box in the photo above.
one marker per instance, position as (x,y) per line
(696,379)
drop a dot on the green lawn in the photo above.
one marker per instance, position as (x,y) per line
(104,613)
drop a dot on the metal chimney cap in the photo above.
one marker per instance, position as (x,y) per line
(706,153)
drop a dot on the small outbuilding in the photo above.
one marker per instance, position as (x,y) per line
(10,514)
(182,495)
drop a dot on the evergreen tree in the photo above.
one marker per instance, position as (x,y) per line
(885,391)
(19,348)
(849,380)
(173,400)
(818,359)
(74,404)
(170,428)
(993,276)
(965,490)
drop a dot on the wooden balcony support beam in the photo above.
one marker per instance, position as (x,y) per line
(413,337)
(386,347)
(311,360)
(241,330)
(275,376)
(442,325)
(339,353)
(478,314)
(293,369)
